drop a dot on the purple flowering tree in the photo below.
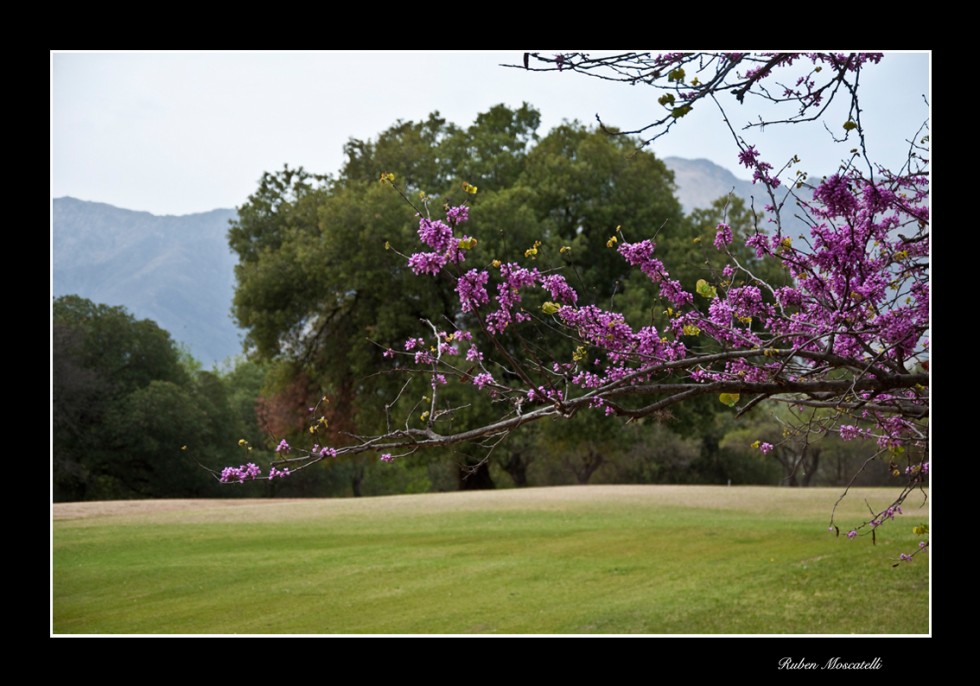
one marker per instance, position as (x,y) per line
(844,346)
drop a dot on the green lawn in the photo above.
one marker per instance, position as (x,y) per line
(572,560)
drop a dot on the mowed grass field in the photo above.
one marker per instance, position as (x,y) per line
(570,560)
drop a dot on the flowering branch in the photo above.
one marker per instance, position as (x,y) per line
(847,334)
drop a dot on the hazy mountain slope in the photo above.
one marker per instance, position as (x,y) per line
(700,182)
(177,271)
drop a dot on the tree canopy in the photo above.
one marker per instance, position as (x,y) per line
(319,292)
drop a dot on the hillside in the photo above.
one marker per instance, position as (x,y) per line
(177,271)
(700,182)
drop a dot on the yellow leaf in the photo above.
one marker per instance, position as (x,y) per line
(729,398)
(705,289)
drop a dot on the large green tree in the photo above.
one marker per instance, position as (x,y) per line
(318,291)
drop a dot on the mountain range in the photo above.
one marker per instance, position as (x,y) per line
(179,271)
(700,182)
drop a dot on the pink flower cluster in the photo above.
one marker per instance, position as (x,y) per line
(514,278)
(481,380)
(749,157)
(249,471)
(278,473)
(641,255)
(439,236)
(472,290)
(723,236)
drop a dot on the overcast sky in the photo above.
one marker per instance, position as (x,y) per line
(175,133)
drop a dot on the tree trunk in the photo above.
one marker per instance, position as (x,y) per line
(475,477)
(790,464)
(356,479)
(793,464)
(584,471)
(810,466)
(516,466)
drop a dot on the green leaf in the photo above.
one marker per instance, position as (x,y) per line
(729,399)
(550,308)
(706,290)
(679,112)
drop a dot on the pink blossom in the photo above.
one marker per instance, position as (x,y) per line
(481,380)
(723,236)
